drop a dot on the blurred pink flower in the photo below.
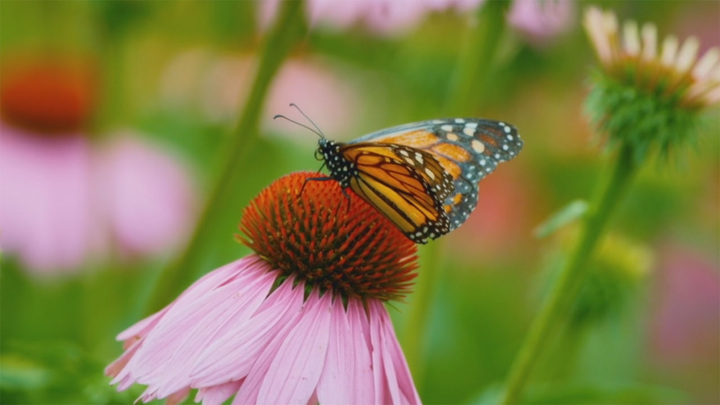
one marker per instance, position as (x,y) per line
(384,17)
(147,197)
(64,199)
(300,321)
(46,215)
(541,20)
(507,209)
(314,86)
(687,316)
(231,334)
(220,86)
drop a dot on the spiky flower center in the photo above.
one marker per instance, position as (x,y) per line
(329,239)
(648,96)
(49,99)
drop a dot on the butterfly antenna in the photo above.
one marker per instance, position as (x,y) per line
(302,125)
(319,131)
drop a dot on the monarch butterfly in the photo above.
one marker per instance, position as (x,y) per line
(422,176)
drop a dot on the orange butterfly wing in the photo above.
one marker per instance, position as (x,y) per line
(467,149)
(404,184)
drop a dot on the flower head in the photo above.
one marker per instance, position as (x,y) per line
(300,321)
(47,98)
(541,20)
(66,198)
(648,94)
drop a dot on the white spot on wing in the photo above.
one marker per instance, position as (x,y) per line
(478,146)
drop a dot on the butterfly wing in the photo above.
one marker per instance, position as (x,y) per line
(468,149)
(405,184)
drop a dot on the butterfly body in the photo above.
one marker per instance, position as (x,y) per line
(423,176)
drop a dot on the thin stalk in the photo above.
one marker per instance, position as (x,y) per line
(553,312)
(477,58)
(418,311)
(470,77)
(288,30)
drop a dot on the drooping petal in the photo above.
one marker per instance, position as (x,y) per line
(294,372)
(347,374)
(217,394)
(388,360)
(168,353)
(231,356)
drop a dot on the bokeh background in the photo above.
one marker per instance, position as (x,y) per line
(115,117)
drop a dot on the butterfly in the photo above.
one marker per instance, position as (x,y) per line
(422,176)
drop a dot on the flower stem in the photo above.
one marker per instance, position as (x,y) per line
(553,312)
(418,311)
(470,77)
(289,28)
(476,59)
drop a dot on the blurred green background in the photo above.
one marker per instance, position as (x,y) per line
(175,73)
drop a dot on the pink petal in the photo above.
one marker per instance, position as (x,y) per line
(289,368)
(45,206)
(217,394)
(178,396)
(170,350)
(391,371)
(347,376)
(197,289)
(231,356)
(295,370)
(146,193)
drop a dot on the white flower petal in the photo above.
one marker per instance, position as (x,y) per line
(631,39)
(669,51)
(687,55)
(649,39)
(705,66)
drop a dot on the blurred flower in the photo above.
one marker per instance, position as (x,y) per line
(500,224)
(541,20)
(384,17)
(614,277)
(685,321)
(300,321)
(222,84)
(46,215)
(644,97)
(144,194)
(63,198)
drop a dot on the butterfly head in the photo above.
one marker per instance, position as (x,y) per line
(340,168)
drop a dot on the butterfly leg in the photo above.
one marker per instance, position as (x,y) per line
(347,197)
(313,179)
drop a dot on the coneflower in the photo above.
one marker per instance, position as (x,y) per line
(301,320)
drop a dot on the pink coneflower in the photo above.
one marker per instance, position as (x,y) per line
(301,320)
(672,69)
(649,94)
(65,198)
(205,81)
(541,20)
(384,17)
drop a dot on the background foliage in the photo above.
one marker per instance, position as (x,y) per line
(649,335)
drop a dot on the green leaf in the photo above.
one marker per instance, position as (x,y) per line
(566,215)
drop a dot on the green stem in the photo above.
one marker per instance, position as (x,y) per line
(476,59)
(470,77)
(418,311)
(553,312)
(288,30)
